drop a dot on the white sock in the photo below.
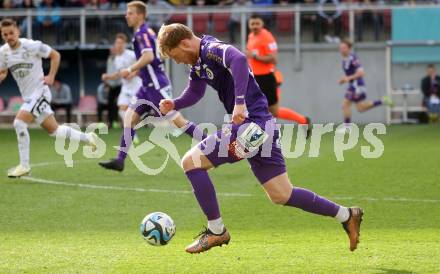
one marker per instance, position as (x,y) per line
(343,214)
(122,114)
(71,133)
(216,226)
(23,142)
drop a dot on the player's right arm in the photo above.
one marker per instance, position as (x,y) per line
(3,74)
(347,78)
(191,95)
(146,58)
(110,76)
(3,68)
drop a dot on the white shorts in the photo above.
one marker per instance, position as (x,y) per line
(125,96)
(39,105)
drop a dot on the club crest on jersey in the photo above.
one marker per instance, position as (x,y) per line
(209,73)
(25,55)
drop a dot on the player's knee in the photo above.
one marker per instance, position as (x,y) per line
(360,108)
(19,125)
(52,131)
(279,198)
(274,112)
(187,162)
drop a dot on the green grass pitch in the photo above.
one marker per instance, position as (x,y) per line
(74,228)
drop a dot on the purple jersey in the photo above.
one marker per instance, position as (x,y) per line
(153,75)
(350,65)
(225,69)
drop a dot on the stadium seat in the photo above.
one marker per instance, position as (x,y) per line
(220,21)
(7,114)
(200,23)
(87,103)
(178,18)
(345,17)
(14,104)
(87,106)
(284,22)
(387,15)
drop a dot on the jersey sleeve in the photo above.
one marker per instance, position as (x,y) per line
(143,42)
(236,62)
(131,56)
(272,46)
(40,49)
(355,63)
(119,63)
(3,64)
(217,53)
(191,95)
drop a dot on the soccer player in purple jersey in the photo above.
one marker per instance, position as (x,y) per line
(356,91)
(252,134)
(155,85)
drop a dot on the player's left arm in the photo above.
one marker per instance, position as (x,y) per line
(55,58)
(236,61)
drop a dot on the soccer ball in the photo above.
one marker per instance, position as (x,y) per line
(158,228)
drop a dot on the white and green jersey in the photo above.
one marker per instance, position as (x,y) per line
(123,61)
(25,64)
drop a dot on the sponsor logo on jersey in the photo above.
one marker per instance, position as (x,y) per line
(21,66)
(211,55)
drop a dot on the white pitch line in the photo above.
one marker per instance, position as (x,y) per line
(120,188)
(105,187)
(52,182)
(389,199)
(60,162)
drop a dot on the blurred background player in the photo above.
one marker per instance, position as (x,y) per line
(356,91)
(102,97)
(114,90)
(261,51)
(155,85)
(130,84)
(61,98)
(23,57)
(210,59)
(430,85)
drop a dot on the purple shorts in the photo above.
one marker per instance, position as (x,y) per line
(354,96)
(146,101)
(266,162)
